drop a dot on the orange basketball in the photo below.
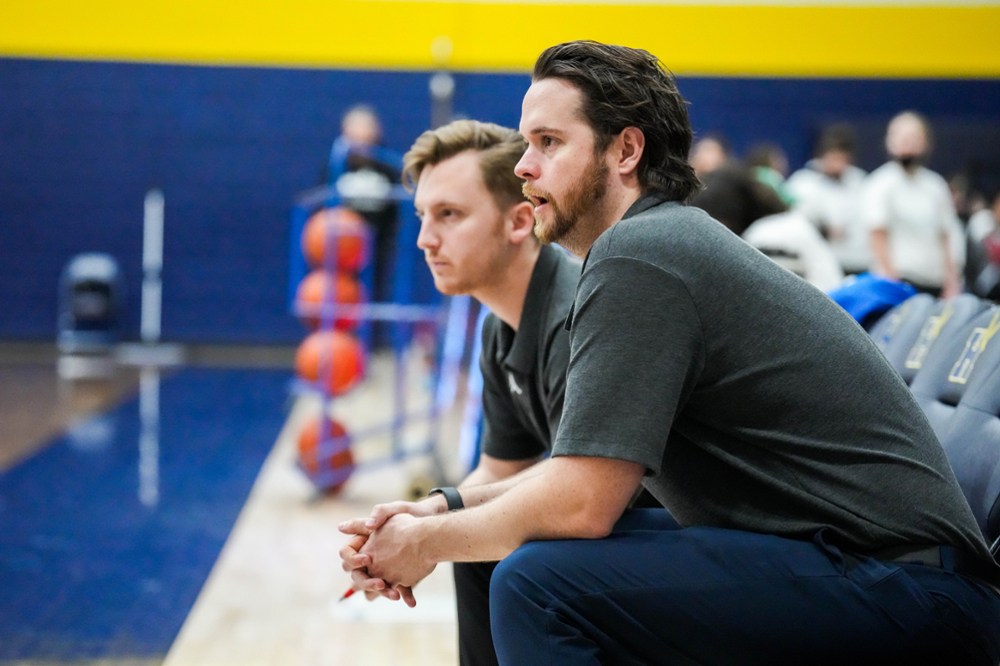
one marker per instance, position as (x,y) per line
(333,358)
(340,227)
(336,456)
(314,290)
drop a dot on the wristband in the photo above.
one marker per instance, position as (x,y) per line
(451,496)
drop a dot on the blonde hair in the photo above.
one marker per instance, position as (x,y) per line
(499,148)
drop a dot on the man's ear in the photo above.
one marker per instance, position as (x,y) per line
(522,218)
(629,147)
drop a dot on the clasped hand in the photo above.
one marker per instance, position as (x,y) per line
(382,556)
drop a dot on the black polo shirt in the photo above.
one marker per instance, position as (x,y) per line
(524,371)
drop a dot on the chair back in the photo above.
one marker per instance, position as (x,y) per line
(964,356)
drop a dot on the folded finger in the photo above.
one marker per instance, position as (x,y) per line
(407,594)
(366,583)
(354,526)
(352,559)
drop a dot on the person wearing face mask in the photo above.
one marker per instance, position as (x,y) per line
(915,233)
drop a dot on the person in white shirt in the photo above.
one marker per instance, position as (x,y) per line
(828,192)
(985,222)
(915,233)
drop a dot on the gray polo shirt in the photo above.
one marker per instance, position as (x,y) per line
(524,372)
(753,400)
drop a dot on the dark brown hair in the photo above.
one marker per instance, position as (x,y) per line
(624,87)
(838,137)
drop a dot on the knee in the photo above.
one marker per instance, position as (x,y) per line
(521,578)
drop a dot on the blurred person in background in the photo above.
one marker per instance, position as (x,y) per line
(915,234)
(769,164)
(984,244)
(365,185)
(973,209)
(709,153)
(753,211)
(984,221)
(828,192)
(967,200)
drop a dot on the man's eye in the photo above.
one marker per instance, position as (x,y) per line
(547,141)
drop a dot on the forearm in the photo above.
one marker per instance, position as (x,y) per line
(880,248)
(561,498)
(483,484)
(950,273)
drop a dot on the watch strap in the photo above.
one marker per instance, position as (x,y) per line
(451,496)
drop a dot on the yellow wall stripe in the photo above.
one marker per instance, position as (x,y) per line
(777,40)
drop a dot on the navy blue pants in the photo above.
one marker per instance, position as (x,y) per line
(652,593)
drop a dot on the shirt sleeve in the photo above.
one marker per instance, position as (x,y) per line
(636,351)
(504,436)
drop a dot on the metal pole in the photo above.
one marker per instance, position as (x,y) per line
(152,266)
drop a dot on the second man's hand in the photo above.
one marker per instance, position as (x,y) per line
(430,506)
(357,563)
(395,552)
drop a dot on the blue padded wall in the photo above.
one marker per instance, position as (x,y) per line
(81,143)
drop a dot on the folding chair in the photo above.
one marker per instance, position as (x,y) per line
(952,363)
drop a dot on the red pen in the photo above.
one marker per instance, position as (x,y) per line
(347,594)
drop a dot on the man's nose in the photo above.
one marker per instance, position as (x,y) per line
(527,167)
(426,239)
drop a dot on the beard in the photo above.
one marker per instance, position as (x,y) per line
(583,198)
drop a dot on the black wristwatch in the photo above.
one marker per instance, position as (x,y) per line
(451,495)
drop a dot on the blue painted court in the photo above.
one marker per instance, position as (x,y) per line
(105,541)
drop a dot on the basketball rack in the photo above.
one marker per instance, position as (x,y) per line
(402,312)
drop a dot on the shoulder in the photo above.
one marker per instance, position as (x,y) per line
(888,172)
(934,180)
(805,178)
(853,172)
(682,241)
(882,179)
(648,235)
(491,332)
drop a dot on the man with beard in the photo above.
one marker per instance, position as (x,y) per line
(817,518)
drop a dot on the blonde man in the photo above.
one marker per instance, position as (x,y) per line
(476,234)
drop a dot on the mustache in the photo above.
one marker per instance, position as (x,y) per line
(528,191)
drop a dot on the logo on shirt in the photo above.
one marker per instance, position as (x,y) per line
(514,388)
